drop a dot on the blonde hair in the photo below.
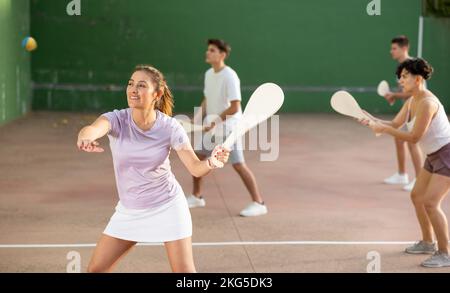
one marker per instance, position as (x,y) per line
(165,103)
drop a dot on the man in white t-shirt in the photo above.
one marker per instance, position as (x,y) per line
(222,107)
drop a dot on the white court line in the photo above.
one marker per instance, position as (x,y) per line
(236,243)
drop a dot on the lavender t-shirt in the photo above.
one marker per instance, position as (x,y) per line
(141,159)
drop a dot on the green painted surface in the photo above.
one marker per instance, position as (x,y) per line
(310,48)
(15,89)
(437,52)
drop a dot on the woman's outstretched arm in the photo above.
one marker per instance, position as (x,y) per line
(399,119)
(424,116)
(89,134)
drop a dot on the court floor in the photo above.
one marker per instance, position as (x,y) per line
(328,208)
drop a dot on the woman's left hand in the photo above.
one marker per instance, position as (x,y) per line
(377,127)
(364,121)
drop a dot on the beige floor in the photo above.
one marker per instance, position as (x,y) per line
(325,186)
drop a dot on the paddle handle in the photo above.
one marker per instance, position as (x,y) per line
(234,136)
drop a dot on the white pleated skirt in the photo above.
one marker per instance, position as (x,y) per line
(169,222)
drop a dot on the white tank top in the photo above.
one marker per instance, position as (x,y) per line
(437,134)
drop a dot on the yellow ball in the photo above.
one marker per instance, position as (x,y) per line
(29,44)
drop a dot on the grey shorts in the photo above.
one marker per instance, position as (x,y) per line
(439,162)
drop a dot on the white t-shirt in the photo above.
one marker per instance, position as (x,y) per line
(220,89)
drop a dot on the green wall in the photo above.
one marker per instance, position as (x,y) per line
(15,89)
(310,48)
(437,52)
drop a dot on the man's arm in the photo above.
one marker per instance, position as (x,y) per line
(401,95)
(233,109)
(199,115)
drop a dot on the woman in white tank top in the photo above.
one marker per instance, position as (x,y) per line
(427,125)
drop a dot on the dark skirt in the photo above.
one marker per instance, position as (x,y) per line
(439,161)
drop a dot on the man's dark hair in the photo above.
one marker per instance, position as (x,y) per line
(221,45)
(402,41)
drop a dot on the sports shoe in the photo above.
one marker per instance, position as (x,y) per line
(437,260)
(421,247)
(195,202)
(409,186)
(397,179)
(254,209)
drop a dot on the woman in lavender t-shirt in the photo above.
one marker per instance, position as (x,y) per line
(152,206)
